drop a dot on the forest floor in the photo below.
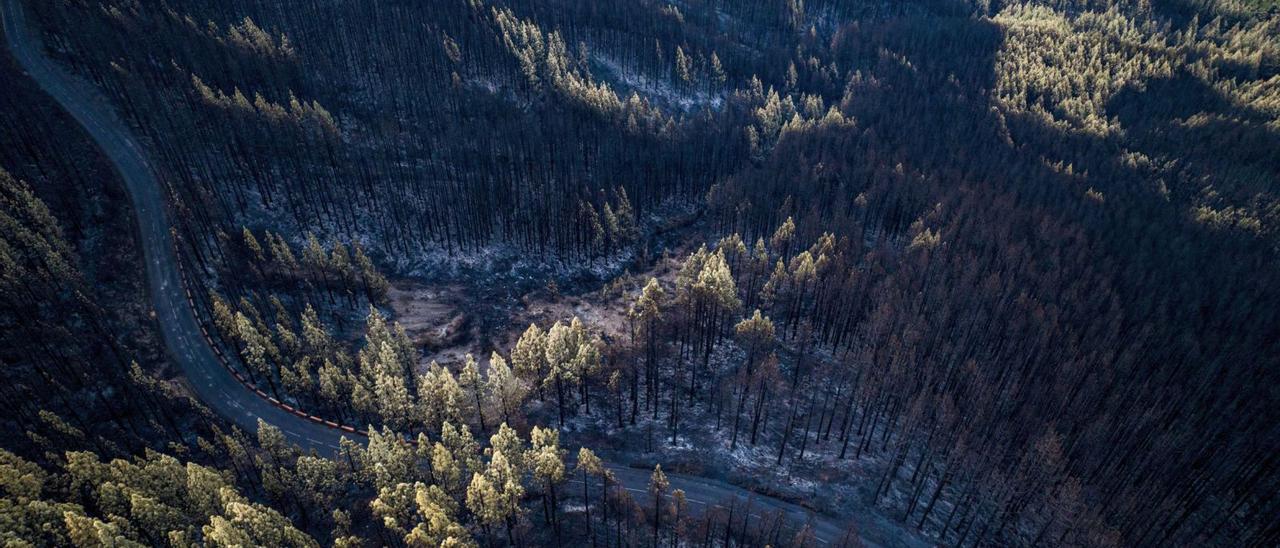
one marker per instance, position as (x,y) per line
(482,307)
(451,319)
(820,480)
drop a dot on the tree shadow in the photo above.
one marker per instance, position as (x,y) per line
(1166,305)
(1211,141)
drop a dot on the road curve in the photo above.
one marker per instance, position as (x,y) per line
(214,384)
(174,316)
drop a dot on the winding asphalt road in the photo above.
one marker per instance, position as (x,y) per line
(218,388)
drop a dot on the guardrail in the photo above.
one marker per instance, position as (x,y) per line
(226,362)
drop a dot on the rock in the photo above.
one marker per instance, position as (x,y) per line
(453,333)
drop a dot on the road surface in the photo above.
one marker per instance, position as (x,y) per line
(215,385)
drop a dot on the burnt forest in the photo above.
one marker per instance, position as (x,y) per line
(640,273)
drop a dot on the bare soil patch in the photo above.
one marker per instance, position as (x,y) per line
(445,320)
